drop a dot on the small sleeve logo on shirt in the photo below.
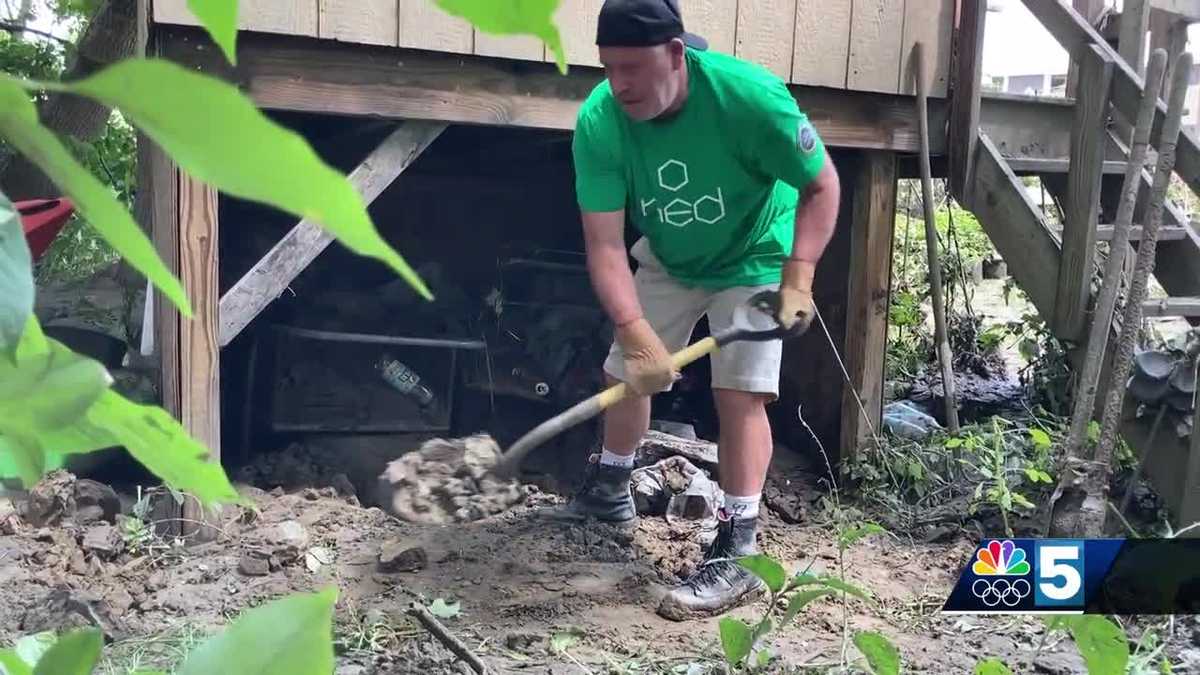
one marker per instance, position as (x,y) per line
(806,138)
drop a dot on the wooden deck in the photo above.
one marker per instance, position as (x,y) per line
(859,46)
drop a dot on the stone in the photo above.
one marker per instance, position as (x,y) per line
(119,601)
(95,501)
(397,556)
(254,566)
(287,540)
(103,540)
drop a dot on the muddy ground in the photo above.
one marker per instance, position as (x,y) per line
(518,581)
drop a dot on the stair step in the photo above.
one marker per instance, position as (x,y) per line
(1165,233)
(1181,307)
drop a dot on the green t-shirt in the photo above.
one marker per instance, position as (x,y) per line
(714,188)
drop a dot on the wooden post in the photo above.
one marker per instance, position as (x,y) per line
(1088,136)
(1090,11)
(1189,507)
(935,268)
(1131,40)
(869,292)
(966,78)
(199,371)
(1168,32)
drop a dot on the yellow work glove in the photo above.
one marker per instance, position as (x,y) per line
(795,295)
(648,365)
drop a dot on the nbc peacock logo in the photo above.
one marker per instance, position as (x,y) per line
(995,566)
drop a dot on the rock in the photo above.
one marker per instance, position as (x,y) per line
(119,601)
(95,502)
(397,556)
(679,429)
(254,566)
(677,489)
(78,563)
(103,540)
(786,502)
(48,502)
(656,446)
(446,481)
(287,539)
(344,487)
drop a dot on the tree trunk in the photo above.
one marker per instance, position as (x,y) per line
(110,36)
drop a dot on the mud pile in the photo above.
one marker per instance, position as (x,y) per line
(447,481)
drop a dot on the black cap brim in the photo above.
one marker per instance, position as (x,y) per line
(694,41)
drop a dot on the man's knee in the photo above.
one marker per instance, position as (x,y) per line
(737,402)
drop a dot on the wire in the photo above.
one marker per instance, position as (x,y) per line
(846,374)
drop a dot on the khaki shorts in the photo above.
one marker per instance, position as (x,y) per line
(673,310)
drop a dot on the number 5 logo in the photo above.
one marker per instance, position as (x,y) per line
(1059,573)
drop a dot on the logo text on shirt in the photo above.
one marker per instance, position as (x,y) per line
(679,212)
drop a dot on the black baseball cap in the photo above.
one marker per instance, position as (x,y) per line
(643,23)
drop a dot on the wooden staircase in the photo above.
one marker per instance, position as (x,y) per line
(1056,269)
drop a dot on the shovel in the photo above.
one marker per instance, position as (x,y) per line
(753,321)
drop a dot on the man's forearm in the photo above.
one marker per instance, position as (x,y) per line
(613,282)
(816,216)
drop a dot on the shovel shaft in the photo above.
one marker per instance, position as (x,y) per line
(588,408)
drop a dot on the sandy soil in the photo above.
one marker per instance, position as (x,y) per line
(518,580)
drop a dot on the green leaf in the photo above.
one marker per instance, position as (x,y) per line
(163,446)
(16,279)
(1040,438)
(443,610)
(766,568)
(852,536)
(32,648)
(47,390)
(764,658)
(992,667)
(219,136)
(219,18)
(514,17)
(880,652)
(1101,643)
(1022,501)
(12,664)
(561,642)
(845,586)
(19,126)
(737,639)
(75,653)
(290,635)
(953,443)
(799,601)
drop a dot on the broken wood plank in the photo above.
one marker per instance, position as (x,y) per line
(1082,208)
(869,289)
(299,247)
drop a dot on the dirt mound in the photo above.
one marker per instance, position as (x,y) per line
(447,481)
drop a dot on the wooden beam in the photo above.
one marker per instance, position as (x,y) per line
(1071,32)
(1165,233)
(869,289)
(299,247)
(1131,40)
(1189,507)
(1169,33)
(1044,165)
(1016,227)
(1189,307)
(1188,10)
(307,75)
(1082,208)
(966,79)
(200,370)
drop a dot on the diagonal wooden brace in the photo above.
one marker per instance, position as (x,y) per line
(299,247)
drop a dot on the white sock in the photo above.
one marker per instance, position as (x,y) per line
(610,458)
(742,507)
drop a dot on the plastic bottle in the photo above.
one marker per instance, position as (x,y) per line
(405,380)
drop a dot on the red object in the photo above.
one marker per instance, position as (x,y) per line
(42,220)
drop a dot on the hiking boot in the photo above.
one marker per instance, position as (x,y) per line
(605,496)
(720,584)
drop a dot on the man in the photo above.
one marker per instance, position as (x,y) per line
(733,192)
